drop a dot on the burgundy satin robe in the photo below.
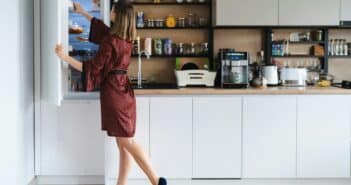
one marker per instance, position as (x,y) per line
(118,106)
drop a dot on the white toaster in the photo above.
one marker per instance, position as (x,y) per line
(295,77)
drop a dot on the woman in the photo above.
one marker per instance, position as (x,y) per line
(109,71)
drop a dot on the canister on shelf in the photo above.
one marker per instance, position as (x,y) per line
(167,47)
(204,49)
(179,49)
(150,23)
(203,21)
(158,46)
(159,23)
(181,22)
(148,46)
(140,19)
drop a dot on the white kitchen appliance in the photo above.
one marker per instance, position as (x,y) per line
(270,73)
(294,77)
(196,77)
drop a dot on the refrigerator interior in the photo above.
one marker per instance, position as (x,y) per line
(79,27)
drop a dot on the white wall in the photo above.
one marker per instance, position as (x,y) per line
(16,94)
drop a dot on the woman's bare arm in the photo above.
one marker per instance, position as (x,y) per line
(79,9)
(70,60)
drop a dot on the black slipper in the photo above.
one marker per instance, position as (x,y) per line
(162,181)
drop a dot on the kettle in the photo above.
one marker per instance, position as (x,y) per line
(270,73)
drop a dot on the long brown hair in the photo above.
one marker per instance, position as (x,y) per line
(124,25)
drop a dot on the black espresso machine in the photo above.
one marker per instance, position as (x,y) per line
(232,69)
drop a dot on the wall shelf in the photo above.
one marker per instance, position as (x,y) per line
(297,56)
(175,28)
(174,56)
(345,57)
(300,42)
(172,3)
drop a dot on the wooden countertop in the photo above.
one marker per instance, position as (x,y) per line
(249,91)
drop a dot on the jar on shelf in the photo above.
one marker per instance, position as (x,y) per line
(150,23)
(158,46)
(179,49)
(191,20)
(204,49)
(181,22)
(171,21)
(140,19)
(159,23)
(167,46)
(203,21)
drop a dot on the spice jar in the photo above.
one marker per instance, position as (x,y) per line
(179,49)
(181,22)
(203,21)
(150,23)
(204,49)
(171,21)
(159,23)
(191,20)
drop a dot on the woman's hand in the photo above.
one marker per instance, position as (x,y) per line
(60,52)
(78,8)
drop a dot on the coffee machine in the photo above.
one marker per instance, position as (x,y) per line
(232,69)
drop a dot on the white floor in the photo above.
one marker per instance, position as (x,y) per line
(95,181)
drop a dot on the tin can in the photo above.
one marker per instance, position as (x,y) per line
(158,46)
(167,47)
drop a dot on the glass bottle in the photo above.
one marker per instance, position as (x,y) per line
(345,48)
(337,47)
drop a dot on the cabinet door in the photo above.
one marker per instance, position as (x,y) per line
(71,139)
(323,136)
(141,136)
(217,137)
(309,12)
(171,136)
(269,137)
(246,12)
(345,10)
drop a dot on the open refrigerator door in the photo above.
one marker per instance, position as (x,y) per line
(61,25)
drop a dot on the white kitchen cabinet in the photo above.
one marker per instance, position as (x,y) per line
(309,12)
(246,12)
(171,136)
(217,137)
(71,140)
(345,10)
(141,136)
(323,136)
(269,137)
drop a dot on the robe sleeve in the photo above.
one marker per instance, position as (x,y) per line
(98,30)
(93,70)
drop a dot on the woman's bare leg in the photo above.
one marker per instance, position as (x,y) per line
(140,158)
(125,164)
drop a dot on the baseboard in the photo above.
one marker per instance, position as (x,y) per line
(70,180)
(93,180)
